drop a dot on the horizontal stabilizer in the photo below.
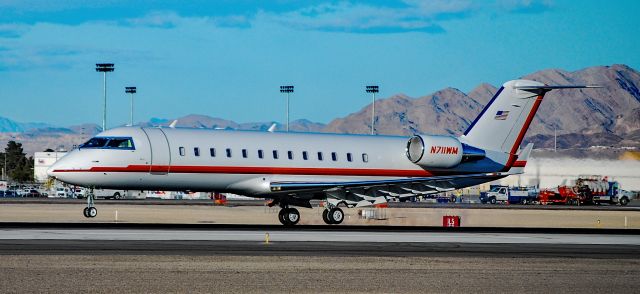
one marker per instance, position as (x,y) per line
(547,88)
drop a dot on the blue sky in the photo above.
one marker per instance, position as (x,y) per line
(228,58)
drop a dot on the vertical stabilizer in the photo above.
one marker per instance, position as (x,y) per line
(502,124)
(504,121)
(521,160)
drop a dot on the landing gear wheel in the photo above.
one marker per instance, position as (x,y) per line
(289,216)
(325,217)
(85,212)
(336,215)
(281,216)
(292,216)
(92,211)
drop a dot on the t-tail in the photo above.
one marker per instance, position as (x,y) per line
(502,124)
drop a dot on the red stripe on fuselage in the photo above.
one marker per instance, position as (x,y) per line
(264,170)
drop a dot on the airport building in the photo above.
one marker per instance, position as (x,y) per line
(42,162)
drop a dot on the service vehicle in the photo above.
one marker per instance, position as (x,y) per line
(587,190)
(511,195)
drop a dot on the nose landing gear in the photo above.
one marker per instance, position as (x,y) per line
(90,211)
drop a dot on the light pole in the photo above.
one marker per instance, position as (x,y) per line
(373,90)
(104,68)
(555,139)
(131,90)
(288,90)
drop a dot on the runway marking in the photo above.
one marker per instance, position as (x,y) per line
(313,236)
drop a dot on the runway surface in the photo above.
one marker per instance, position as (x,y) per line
(142,258)
(314,240)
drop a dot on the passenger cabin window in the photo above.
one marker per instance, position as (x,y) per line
(365,157)
(320,156)
(123,143)
(275,154)
(290,154)
(349,158)
(304,155)
(228,152)
(244,153)
(334,156)
(181,150)
(260,154)
(196,151)
(212,152)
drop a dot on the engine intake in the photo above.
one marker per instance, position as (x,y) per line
(434,151)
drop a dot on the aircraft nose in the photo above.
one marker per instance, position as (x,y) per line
(51,172)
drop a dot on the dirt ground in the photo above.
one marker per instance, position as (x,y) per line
(304,274)
(266,215)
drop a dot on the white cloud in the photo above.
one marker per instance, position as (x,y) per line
(350,17)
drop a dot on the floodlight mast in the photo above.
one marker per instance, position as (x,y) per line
(131,90)
(104,68)
(373,90)
(287,90)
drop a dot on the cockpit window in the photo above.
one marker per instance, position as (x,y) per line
(95,143)
(124,143)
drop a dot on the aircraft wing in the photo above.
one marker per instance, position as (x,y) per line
(355,192)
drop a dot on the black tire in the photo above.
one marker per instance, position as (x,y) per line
(281,216)
(325,217)
(92,212)
(336,215)
(624,201)
(292,216)
(116,195)
(492,200)
(85,212)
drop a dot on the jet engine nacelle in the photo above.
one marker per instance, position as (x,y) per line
(434,151)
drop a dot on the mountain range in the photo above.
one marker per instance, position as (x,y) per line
(607,116)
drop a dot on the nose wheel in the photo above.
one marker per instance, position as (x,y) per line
(90,211)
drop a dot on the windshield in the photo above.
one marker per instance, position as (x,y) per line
(125,143)
(494,189)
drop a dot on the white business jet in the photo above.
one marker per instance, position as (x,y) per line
(294,168)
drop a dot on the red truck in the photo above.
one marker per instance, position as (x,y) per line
(587,190)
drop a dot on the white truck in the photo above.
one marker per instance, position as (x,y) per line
(511,195)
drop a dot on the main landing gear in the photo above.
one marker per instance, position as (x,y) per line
(333,216)
(289,216)
(90,211)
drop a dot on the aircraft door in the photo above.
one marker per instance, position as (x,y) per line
(160,151)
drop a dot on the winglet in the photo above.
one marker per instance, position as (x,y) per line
(173,124)
(521,161)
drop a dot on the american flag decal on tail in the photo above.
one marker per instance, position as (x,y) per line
(501,115)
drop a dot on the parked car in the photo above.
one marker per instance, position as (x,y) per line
(62,192)
(10,193)
(33,193)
